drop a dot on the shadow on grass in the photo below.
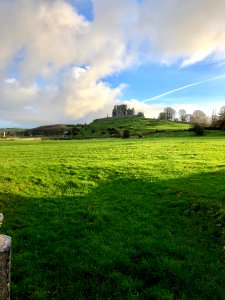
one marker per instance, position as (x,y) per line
(128,239)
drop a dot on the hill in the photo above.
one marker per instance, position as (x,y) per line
(49,130)
(136,125)
(107,127)
(11,131)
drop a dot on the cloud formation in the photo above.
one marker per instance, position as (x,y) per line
(51,41)
(188,31)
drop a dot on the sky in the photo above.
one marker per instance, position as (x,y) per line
(71,61)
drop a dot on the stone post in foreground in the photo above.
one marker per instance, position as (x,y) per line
(5,263)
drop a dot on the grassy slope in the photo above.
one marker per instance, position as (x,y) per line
(116,219)
(134,124)
(99,127)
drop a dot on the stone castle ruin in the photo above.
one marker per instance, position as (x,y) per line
(122,111)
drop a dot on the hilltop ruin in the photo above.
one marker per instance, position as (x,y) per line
(123,111)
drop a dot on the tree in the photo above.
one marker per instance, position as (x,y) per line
(222,112)
(169,113)
(76,130)
(199,117)
(221,121)
(214,119)
(199,129)
(140,114)
(182,114)
(162,116)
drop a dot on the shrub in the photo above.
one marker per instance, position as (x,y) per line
(76,130)
(199,129)
(126,133)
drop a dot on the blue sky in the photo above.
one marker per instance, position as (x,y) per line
(150,80)
(71,61)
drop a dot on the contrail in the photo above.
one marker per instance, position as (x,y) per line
(182,88)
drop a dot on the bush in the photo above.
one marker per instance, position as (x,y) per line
(126,133)
(212,127)
(114,132)
(118,133)
(198,129)
(76,130)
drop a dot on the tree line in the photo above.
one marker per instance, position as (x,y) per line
(197,117)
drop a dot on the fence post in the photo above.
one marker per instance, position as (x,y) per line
(5,263)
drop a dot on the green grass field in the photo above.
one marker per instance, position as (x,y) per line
(116,218)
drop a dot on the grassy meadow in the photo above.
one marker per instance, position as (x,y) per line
(116,218)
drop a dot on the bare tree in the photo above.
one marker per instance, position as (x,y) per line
(214,118)
(169,113)
(182,114)
(199,117)
(188,118)
(222,113)
(221,117)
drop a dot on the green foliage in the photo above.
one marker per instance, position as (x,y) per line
(126,133)
(114,132)
(140,135)
(116,218)
(48,130)
(76,130)
(199,129)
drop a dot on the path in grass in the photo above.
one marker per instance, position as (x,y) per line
(115,219)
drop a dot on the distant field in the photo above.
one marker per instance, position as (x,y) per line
(116,218)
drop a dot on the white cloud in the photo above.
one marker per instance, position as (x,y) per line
(76,98)
(27,104)
(84,95)
(51,35)
(186,30)
(152,110)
